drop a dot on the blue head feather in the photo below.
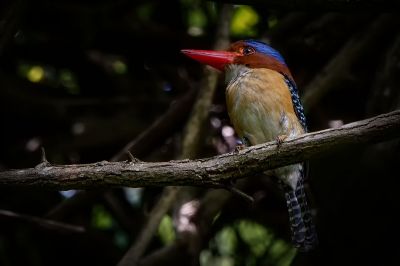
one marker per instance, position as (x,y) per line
(266,49)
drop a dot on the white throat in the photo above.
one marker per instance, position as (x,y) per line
(233,72)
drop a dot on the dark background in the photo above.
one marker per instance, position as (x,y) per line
(84,78)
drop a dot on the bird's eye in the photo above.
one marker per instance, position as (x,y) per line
(247,50)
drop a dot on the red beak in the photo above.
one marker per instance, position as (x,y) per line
(216,59)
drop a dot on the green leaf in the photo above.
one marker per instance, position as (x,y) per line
(101,218)
(255,235)
(166,230)
(226,241)
(244,21)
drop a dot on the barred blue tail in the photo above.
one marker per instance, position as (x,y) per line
(304,236)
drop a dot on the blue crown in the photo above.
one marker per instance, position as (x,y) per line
(266,49)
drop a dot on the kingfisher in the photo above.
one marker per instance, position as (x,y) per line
(264,105)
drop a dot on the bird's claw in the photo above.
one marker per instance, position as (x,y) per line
(239,147)
(280,139)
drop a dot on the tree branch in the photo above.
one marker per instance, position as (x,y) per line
(201,109)
(161,128)
(40,222)
(190,144)
(210,172)
(163,205)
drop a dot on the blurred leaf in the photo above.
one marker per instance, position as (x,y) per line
(23,69)
(272,21)
(226,241)
(282,252)
(261,240)
(121,239)
(206,258)
(197,20)
(145,11)
(244,21)
(101,218)
(119,67)
(255,235)
(196,17)
(68,80)
(166,230)
(35,74)
(277,248)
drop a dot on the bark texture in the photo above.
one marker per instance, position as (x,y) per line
(211,172)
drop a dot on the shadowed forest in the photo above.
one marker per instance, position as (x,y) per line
(88,80)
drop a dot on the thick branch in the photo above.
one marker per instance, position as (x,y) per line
(211,172)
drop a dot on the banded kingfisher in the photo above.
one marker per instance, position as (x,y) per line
(263,105)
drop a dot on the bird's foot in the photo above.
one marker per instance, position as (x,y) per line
(239,147)
(280,139)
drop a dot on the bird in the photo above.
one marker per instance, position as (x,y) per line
(263,105)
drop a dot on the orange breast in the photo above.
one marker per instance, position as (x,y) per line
(260,106)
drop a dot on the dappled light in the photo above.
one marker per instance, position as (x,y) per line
(35,74)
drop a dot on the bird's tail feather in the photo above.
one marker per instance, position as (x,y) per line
(304,236)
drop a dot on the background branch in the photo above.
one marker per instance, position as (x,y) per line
(133,254)
(45,223)
(162,127)
(191,142)
(338,69)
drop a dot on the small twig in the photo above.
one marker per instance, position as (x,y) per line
(43,160)
(45,223)
(132,158)
(239,193)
